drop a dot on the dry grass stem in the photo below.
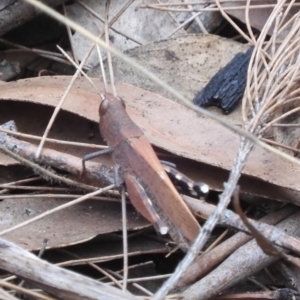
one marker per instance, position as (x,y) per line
(24,291)
(195,10)
(53,141)
(98,268)
(125,240)
(58,107)
(58,208)
(61,196)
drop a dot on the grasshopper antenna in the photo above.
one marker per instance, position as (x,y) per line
(77,68)
(109,60)
(102,68)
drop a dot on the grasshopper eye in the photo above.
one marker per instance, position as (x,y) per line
(103,107)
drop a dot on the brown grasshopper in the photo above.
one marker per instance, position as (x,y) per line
(149,188)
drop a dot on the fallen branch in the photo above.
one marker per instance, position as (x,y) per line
(246,261)
(208,260)
(53,279)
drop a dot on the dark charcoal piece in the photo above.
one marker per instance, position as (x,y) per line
(227,87)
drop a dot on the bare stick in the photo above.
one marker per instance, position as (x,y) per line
(43,171)
(264,243)
(58,281)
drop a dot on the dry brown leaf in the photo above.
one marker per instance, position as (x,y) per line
(126,34)
(88,132)
(70,226)
(63,128)
(165,123)
(186,63)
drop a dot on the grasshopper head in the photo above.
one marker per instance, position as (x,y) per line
(111,103)
(115,124)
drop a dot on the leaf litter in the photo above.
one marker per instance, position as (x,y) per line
(148,111)
(174,143)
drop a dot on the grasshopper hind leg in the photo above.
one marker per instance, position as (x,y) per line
(141,199)
(143,204)
(192,188)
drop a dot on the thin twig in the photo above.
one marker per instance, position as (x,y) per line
(96,267)
(24,291)
(58,107)
(53,141)
(241,7)
(125,240)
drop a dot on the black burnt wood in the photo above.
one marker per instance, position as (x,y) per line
(226,88)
